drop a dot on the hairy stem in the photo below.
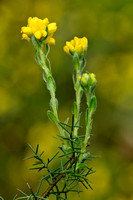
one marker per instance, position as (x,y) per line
(52,92)
(78,99)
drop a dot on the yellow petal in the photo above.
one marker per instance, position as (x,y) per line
(44,33)
(46,21)
(50,41)
(52,28)
(26,30)
(72,42)
(25,37)
(66,49)
(70,46)
(29,20)
(38,34)
(76,41)
(84,42)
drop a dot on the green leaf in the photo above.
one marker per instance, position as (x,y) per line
(44,76)
(38,61)
(47,49)
(74,109)
(74,79)
(83,64)
(52,117)
(51,83)
(92,105)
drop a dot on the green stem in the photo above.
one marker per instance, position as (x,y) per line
(88,126)
(78,99)
(52,92)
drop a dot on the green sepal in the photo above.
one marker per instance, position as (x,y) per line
(51,84)
(52,117)
(76,61)
(74,109)
(92,105)
(51,105)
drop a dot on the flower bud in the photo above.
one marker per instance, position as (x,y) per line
(84,79)
(93,79)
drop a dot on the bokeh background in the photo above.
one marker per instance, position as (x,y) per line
(24,99)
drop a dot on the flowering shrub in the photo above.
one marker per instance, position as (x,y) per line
(74,147)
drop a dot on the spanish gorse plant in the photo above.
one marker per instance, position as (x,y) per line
(73,152)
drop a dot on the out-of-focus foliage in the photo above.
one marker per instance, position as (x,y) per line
(108,25)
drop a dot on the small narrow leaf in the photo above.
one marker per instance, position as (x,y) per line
(38,61)
(47,49)
(37,148)
(74,79)
(22,192)
(83,64)
(52,117)
(92,105)
(51,83)
(44,76)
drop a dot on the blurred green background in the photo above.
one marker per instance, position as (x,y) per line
(24,99)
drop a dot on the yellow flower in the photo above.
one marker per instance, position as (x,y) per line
(41,29)
(52,28)
(78,45)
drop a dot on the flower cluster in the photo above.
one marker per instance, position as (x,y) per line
(87,79)
(78,45)
(41,29)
